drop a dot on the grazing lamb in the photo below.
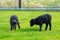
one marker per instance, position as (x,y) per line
(41,20)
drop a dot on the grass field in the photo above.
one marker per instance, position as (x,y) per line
(30,3)
(26,32)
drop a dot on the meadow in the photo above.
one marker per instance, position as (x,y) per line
(30,3)
(26,32)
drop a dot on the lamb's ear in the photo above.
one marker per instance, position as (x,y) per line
(31,19)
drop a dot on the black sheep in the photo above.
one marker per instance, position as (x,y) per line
(14,21)
(41,20)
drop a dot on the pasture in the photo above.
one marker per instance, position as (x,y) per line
(26,32)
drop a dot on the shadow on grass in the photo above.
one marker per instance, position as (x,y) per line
(28,29)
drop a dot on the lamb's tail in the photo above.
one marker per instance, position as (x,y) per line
(14,20)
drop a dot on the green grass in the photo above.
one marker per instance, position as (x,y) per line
(26,32)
